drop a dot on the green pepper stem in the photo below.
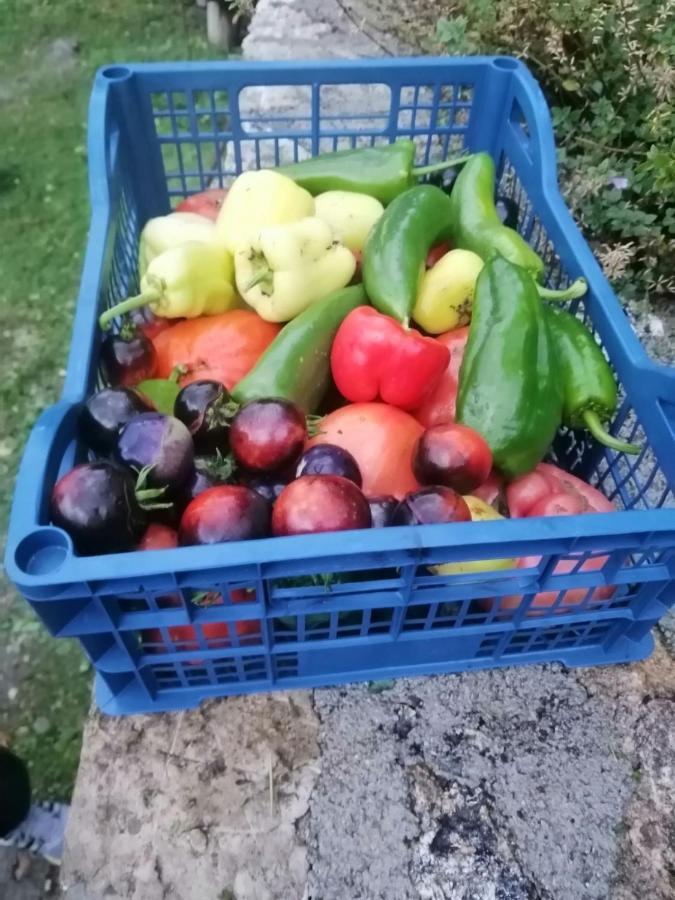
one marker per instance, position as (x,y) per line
(577,289)
(441,166)
(125,306)
(594,425)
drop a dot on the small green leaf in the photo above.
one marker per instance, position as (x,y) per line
(571,85)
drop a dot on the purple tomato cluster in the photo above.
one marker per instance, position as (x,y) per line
(215,472)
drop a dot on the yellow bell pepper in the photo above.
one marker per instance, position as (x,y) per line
(258,199)
(445,295)
(285,268)
(480,512)
(350,216)
(190,280)
(164,232)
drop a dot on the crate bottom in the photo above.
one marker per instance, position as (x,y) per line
(133,699)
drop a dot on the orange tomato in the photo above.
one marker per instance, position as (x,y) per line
(223,348)
(381,439)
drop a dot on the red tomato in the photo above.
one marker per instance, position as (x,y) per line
(439,407)
(437,252)
(381,439)
(526,494)
(223,348)
(206,203)
(550,491)
(545,599)
(216,634)
(158,537)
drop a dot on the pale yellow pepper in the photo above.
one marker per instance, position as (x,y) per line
(480,512)
(350,215)
(164,232)
(190,280)
(256,200)
(445,295)
(285,268)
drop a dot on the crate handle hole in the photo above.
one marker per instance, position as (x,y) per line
(116,73)
(505,62)
(43,551)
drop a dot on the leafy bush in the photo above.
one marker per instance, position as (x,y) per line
(607,68)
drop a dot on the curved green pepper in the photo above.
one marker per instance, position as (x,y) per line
(394,254)
(383,172)
(476,226)
(296,365)
(589,390)
(509,388)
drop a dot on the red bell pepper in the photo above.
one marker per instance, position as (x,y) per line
(550,491)
(439,406)
(374,357)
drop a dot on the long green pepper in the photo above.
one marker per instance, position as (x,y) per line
(590,393)
(394,254)
(296,365)
(509,389)
(383,172)
(476,226)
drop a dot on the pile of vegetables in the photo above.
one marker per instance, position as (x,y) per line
(332,345)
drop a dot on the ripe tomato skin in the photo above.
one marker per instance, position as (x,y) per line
(437,253)
(452,455)
(550,491)
(222,348)
(205,203)
(216,634)
(381,439)
(527,495)
(439,406)
(158,537)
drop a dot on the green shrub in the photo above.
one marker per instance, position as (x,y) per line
(607,68)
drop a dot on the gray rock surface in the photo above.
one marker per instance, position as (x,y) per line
(518,784)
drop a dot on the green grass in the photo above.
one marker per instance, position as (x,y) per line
(44,214)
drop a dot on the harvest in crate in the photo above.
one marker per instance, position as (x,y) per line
(335,346)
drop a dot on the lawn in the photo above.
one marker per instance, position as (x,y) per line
(48,55)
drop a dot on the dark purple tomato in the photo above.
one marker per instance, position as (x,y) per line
(329,459)
(453,455)
(230,512)
(207,472)
(431,506)
(96,505)
(382,510)
(144,320)
(160,443)
(197,482)
(316,503)
(206,408)
(127,361)
(268,486)
(267,435)
(106,412)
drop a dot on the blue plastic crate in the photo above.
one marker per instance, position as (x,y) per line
(160,132)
